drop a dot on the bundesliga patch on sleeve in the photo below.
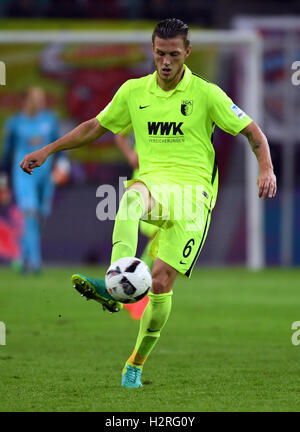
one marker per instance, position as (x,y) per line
(237,111)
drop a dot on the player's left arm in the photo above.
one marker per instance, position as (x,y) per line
(259,144)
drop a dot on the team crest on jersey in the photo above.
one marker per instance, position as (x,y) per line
(187,107)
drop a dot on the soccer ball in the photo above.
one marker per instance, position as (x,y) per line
(128,280)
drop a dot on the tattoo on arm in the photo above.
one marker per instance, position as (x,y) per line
(255,144)
(259,145)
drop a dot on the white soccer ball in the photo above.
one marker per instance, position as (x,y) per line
(128,280)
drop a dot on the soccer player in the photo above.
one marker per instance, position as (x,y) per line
(173,113)
(31,128)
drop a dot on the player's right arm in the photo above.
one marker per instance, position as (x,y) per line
(115,117)
(85,133)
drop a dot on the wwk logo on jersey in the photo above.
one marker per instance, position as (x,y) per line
(186,107)
(164,128)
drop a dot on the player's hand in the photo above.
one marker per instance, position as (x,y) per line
(33,160)
(266,183)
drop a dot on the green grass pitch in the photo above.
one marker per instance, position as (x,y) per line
(226,347)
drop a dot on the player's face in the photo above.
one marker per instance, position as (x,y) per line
(169,57)
(35,100)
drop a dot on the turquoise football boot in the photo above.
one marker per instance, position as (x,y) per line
(131,376)
(95,289)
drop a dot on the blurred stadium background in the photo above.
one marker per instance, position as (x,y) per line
(239,344)
(80,78)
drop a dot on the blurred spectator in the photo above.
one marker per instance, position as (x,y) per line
(67,8)
(11,224)
(215,13)
(28,8)
(28,130)
(4,5)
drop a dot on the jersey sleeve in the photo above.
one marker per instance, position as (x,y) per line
(116,116)
(228,116)
(125,132)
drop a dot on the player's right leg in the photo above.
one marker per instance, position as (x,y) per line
(134,203)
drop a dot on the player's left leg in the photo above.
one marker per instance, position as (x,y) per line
(46,194)
(152,322)
(32,240)
(26,194)
(177,246)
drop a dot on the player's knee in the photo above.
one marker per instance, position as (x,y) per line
(145,194)
(158,286)
(163,277)
(131,196)
(131,205)
(162,282)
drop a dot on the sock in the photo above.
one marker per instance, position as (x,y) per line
(125,235)
(152,322)
(146,257)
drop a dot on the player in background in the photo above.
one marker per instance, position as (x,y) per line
(123,142)
(11,224)
(32,128)
(173,113)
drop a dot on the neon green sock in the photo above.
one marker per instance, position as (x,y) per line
(125,235)
(146,257)
(152,322)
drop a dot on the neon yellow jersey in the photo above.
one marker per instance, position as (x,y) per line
(173,130)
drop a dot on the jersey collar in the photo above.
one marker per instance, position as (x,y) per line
(153,87)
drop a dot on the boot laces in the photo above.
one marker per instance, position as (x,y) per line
(133,373)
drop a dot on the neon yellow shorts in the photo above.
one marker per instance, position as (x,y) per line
(148,230)
(183,225)
(179,246)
